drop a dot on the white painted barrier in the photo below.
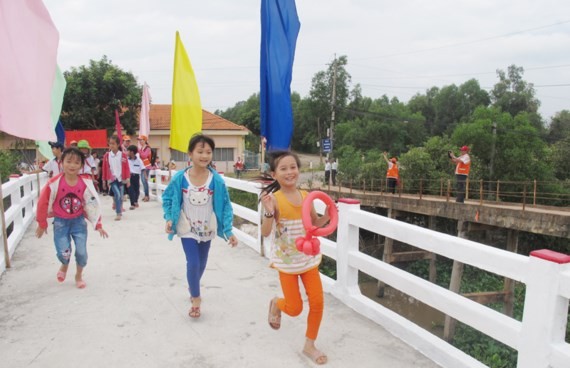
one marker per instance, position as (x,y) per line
(538,338)
(22,193)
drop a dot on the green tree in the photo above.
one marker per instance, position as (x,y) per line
(559,128)
(8,164)
(513,94)
(520,152)
(94,92)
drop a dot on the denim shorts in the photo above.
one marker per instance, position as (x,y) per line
(63,231)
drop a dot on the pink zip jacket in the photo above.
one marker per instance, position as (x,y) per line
(91,205)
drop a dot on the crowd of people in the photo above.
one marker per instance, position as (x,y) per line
(197,208)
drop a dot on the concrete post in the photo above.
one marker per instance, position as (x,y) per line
(545,310)
(455,284)
(347,241)
(15,200)
(386,256)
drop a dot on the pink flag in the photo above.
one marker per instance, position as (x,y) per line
(117,125)
(28,49)
(144,121)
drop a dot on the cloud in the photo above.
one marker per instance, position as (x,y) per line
(393,48)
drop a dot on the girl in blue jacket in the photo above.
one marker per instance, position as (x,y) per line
(197,207)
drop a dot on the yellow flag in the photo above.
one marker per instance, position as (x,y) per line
(186,114)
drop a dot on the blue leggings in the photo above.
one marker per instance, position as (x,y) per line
(196,259)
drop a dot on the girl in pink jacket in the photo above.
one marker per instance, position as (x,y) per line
(70,198)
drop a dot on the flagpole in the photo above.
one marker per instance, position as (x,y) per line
(4,232)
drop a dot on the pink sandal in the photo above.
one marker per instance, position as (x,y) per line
(80,284)
(194,312)
(61,276)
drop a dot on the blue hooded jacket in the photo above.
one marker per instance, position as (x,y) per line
(172,202)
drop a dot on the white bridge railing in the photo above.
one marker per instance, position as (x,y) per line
(539,338)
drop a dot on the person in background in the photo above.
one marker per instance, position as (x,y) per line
(73,144)
(70,199)
(97,181)
(392,174)
(53,166)
(238,167)
(126,143)
(334,170)
(135,166)
(462,168)
(90,167)
(327,171)
(116,173)
(145,153)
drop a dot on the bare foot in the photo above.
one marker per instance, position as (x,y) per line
(79,282)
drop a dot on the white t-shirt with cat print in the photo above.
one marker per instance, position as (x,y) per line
(197,204)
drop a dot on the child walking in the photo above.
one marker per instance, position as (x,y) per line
(282,202)
(197,206)
(135,166)
(70,198)
(116,173)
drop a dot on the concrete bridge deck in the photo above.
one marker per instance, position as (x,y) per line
(133,312)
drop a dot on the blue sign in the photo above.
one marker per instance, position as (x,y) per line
(327,146)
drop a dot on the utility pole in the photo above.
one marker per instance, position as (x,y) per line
(491,168)
(333,103)
(320,142)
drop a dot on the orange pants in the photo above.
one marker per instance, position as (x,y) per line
(292,304)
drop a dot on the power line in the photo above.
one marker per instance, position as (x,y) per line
(467,42)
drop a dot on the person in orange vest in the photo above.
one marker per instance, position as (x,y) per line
(461,171)
(393,173)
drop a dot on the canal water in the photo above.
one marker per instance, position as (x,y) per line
(421,314)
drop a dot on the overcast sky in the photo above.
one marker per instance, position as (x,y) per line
(394,48)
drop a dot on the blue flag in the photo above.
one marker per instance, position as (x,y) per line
(279,29)
(60,132)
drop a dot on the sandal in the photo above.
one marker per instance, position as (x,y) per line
(80,284)
(317,356)
(274,320)
(194,312)
(61,276)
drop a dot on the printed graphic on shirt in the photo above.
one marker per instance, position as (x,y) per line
(200,196)
(70,203)
(199,210)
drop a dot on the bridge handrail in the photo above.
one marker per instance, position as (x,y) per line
(527,192)
(19,202)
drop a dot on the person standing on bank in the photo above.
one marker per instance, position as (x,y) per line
(393,173)
(327,171)
(334,170)
(197,207)
(461,171)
